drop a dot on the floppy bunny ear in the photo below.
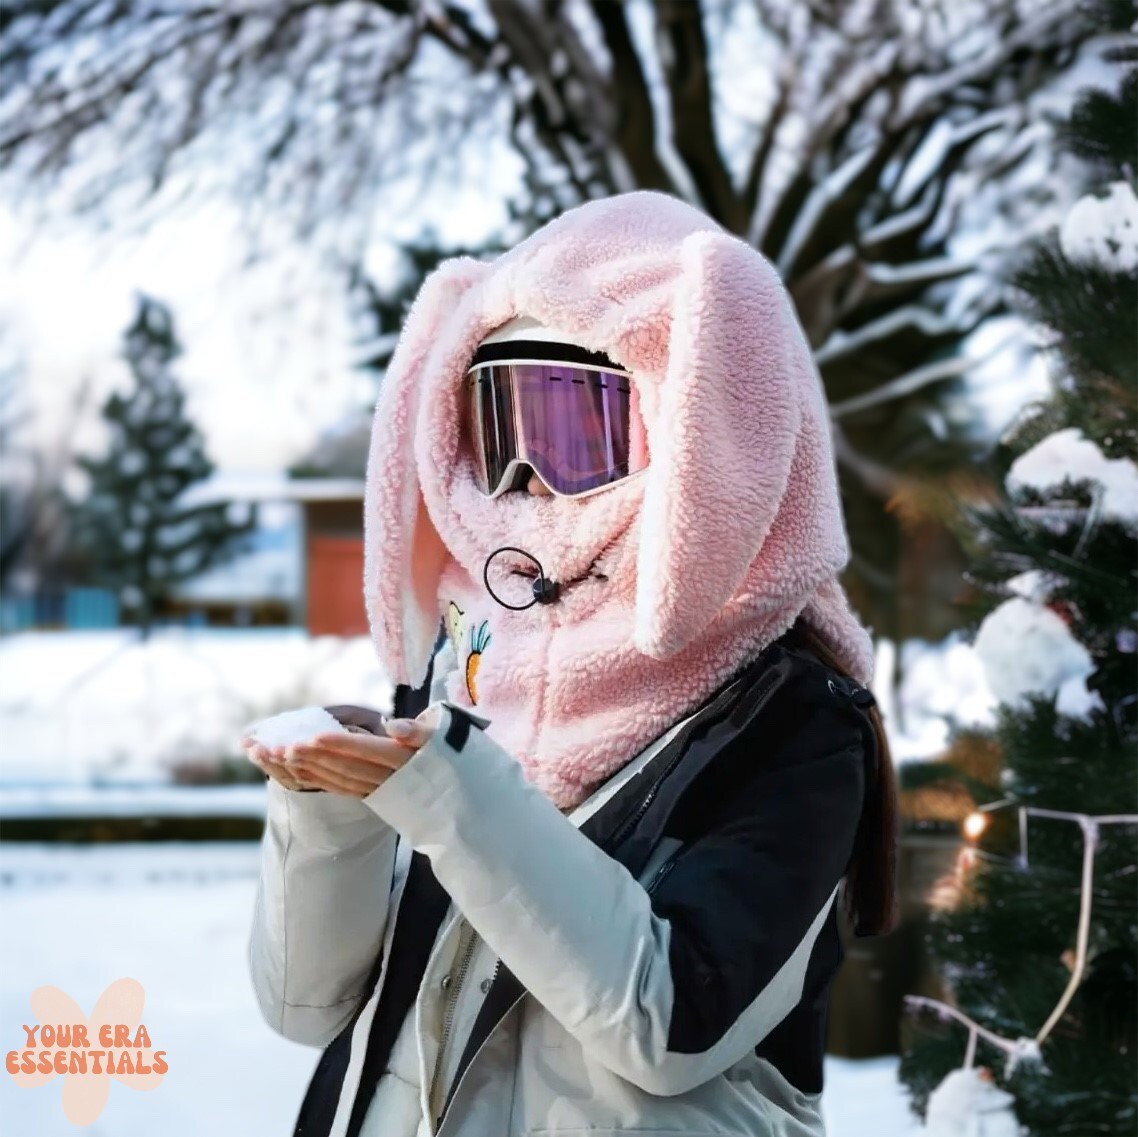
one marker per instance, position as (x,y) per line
(403,554)
(722,441)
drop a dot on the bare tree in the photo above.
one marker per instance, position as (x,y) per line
(842,138)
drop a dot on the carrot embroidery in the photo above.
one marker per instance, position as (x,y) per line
(479,642)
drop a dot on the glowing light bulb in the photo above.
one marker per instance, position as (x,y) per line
(975,824)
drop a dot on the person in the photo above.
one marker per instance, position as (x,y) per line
(589,878)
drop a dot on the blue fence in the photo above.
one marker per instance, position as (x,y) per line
(75,608)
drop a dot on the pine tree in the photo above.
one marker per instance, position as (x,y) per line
(1056,566)
(141,538)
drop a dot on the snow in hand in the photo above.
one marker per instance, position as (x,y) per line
(295,726)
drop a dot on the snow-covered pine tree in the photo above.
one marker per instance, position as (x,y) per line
(140,538)
(1057,562)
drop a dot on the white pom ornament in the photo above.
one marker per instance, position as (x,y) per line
(969,1104)
(1103,230)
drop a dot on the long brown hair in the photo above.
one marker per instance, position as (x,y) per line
(871,899)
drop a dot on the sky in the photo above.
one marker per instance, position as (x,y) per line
(268,348)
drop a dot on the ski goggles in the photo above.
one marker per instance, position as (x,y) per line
(569,415)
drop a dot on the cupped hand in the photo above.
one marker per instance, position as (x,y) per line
(354,764)
(271,761)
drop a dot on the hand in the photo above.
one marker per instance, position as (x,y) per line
(356,764)
(271,761)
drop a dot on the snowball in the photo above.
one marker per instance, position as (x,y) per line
(967,1104)
(295,726)
(1103,230)
(1067,456)
(1027,649)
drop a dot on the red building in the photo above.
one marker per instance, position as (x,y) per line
(328,598)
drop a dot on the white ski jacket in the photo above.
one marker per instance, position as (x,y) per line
(477,964)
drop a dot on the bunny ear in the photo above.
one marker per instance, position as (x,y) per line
(722,440)
(403,554)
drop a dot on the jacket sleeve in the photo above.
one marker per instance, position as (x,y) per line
(319,912)
(666,986)
(320,909)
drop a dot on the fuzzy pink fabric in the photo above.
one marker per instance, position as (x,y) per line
(682,573)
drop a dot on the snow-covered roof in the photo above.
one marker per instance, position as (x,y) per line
(271,488)
(264,574)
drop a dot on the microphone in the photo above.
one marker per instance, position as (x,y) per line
(545,591)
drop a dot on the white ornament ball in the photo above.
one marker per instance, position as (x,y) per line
(968,1104)
(1103,230)
(1027,649)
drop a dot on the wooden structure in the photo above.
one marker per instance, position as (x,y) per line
(334,567)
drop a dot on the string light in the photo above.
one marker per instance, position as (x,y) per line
(974,825)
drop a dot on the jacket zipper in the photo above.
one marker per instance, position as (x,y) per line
(662,872)
(631,821)
(447,1027)
(452,1005)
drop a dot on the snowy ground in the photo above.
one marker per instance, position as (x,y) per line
(176,918)
(83,708)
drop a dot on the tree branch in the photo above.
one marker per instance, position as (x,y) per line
(683,58)
(634,129)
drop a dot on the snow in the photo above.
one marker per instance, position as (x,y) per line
(269,488)
(295,726)
(77,707)
(140,800)
(1027,649)
(1103,230)
(943,684)
(131,462)
(1067,456)
(176,917)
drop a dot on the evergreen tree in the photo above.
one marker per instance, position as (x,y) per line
(1056,567)
(140,537)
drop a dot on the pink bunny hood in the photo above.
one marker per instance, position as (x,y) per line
(670,580)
